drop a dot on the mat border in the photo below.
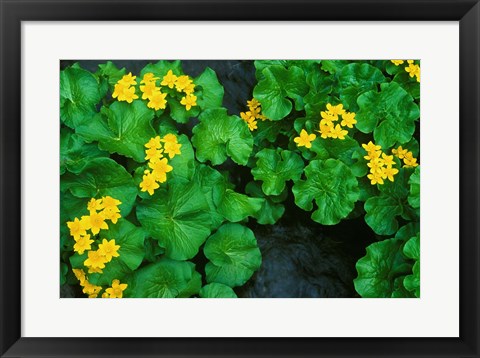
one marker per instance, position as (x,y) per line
(13,12)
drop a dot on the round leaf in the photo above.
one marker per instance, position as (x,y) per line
(381,214)
(333,187)
(275,167)
(124,128)
(212,91)
(219,135)
(237,207)
(234,255)
(79,94)
(178,218)
(102,177)
(165,279)
(217,290)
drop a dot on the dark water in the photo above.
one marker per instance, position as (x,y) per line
(300,257)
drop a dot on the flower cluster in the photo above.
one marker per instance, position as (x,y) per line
(124,89)
(253,114)
(157,162)
(408,160)
(330,129)
(305,139)
(156,99)
(380,164)
(100,211)
(116,291)
(412,68)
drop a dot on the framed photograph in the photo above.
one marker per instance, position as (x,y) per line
(239,179)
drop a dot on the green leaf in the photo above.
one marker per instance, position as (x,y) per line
(102,177)
(277,84)
(408,83)
(132,251)
(275,168)
(164,279)
(379,268)
(390,114)
(412,251)
(75,153)
(124,129)
(336,149)
(414,196)
(79,94)
(179,113)
(212,91)
(237,207)
(333,187)
(63,273)
(111,72)
(333,66)
(234,255)
(217,290)
(271,211)
(219,135)
(183,164)
(178,218)
(260,65)
(381,214)
(213,186)
(355,79)
(161,68)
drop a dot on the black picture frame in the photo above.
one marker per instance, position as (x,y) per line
(13,12)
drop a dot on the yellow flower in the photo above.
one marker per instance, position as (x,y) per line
(189,101)
(338,132)
(189,89)
(413,70)
(172,149)
(94,205)
(153,154)
(94,270)
(149,89)
(110,203)
(160,170)
(82,243)
(253,103)
(95,260)
(112,215)
(389,173)
(410,161)
(97,222)
(371,147)
(80,275)
(157,101)
(397,62)
(77,227)
(129,94)
(86,222)
(388,160)
(149,184)
(375,166)
(128,80)
(335,111)
(262,117)
(400,152)
(409,62)
(149,77)
(305,139)
(325,129)
(169,79)
(373,155)
(105,295)
(182,82)
(108,249)
(118,91)
(255,111)
(252,124)
(348,119)
(247,116)
(375,178)
(116,291)
(169,138)
(154,143)
(328,116)
(90,289)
